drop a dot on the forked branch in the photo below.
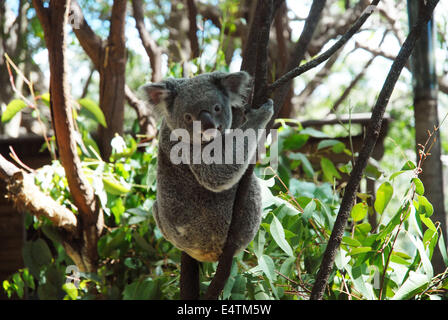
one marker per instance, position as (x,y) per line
(326,54)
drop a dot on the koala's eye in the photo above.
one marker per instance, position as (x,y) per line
(217,108)
(188,117)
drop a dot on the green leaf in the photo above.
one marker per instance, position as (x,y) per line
(28,279)
(363,228)
(329,170)
(327,143)
(419,188)
(383,196)
(306,164)
(412,286)
(267,266)
(402,255)
(442,248)
(425,259)
(294,142)
(12,109)
(35,255)
(94,109)
(259,243)
(409,165)
(278,234)
(115,187)
(309,209)
(341,259)
(396,174)
(372,171)
(239,287)
(71,290)
(395,221)
(359,250)
(288,266)
(45,98)
(399,260)
(359,281)
(424,206)
(359,211)
(428,222)
(351,242)
(19,284)
(313,133)
(146,289)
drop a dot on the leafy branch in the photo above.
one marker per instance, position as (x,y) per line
(373,132)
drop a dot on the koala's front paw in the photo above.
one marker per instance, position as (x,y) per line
(258,118)
(267,109)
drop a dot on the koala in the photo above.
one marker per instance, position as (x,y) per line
(194,204)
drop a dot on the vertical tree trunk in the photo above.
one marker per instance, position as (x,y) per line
(109,58)
(112,79)
(80,245)
(426,118)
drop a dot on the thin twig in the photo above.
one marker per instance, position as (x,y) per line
(325,55)
(16,158)
(30,104)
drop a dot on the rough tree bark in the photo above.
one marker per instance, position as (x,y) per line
(81,245)
(300,49)
(255,63)
(426,118)
(153,51)
(109,58)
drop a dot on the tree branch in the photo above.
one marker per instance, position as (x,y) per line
(145,119)
(259,33)
(153,51)
(81,190)
(193,28)
(352,85)
(442,81)
(42,15)
(261,67)
(325,55)
(92,44)
(317,80)
(249,63)
(298,53)
(372,134)
(28,197)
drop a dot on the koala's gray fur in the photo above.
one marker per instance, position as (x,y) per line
(194,202)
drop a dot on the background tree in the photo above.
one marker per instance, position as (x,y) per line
(423,65)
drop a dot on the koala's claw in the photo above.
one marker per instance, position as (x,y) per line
(268,107)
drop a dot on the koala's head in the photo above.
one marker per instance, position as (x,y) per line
(207,98)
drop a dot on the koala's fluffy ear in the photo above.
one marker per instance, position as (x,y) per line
(157,93)
(237,86)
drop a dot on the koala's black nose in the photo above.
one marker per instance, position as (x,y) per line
(206,120)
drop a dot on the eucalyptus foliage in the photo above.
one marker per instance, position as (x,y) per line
(300,202)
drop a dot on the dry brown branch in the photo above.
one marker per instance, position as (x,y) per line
(26,196)
(96,49)
(92,44)
(351,86)
(82,244)
(145,119)
(193,28)
(153,51)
